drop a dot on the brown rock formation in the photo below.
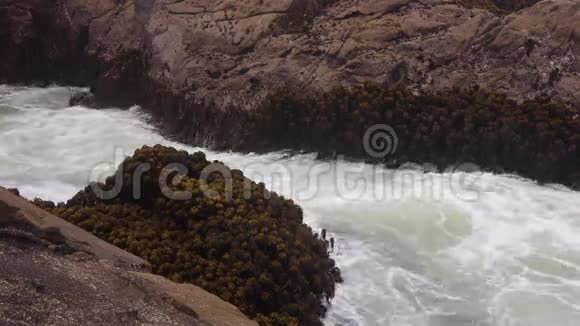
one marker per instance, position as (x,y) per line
(234,52)
(230,53)
(53,273)
(40,43)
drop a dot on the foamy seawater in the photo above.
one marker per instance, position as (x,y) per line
(415,248)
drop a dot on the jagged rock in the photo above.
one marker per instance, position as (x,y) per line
(53,273)
(14,191)
(86,99)
(434,44)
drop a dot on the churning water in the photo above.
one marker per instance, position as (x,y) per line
(415,248)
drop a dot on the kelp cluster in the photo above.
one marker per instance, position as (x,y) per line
(249,246)
(538,138)
(499,6)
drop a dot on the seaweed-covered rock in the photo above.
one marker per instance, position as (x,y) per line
(538,138)
(230,236)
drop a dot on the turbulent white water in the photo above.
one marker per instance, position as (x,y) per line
(415,248)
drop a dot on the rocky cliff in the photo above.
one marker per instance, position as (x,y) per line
(53,273)
(233,53)
(200,66)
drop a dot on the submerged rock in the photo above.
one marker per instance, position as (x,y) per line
(86,99)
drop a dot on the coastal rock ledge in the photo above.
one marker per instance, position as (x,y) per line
(54,273)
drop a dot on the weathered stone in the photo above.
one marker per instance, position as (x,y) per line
(53,273)
(208,51)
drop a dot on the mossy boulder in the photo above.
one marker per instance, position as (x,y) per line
(241,242)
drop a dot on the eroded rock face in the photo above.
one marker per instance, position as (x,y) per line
(233,53)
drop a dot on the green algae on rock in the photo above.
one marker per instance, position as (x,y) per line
(249,248)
